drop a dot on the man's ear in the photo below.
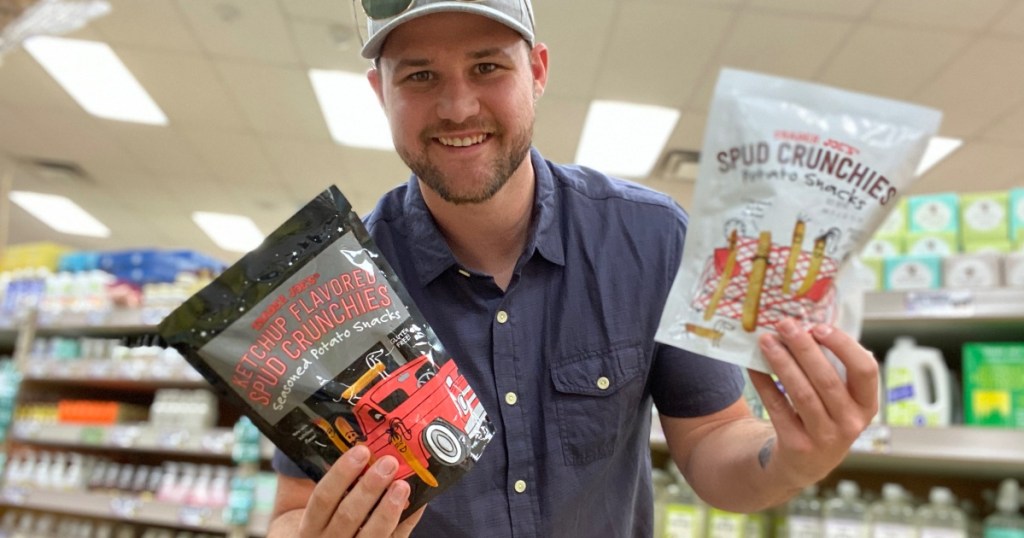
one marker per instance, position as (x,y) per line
(539,67)
(373,75)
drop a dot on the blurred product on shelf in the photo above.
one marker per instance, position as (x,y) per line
(918,385)
(1006,521)
(940,517)
(58,282)
(845,515)
(949,240)
(892,516)
(993,381)
(803,515)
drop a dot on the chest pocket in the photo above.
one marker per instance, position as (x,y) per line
(597,393)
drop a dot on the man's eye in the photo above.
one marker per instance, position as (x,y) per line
(420,76)
(486,68)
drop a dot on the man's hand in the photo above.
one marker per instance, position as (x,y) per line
(819,416)
(370,508)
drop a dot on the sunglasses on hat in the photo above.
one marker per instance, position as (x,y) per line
(385,9)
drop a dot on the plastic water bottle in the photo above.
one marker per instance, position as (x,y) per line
(892,516)
(1006,521)
(845,515)
(803,515)
(940,517)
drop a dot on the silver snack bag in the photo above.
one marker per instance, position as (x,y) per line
(793,180)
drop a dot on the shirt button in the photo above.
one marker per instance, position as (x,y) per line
(520,486)
(603,383)
(511,398)
(502,316)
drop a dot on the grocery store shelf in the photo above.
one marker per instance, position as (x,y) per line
(951,451)
(954,450)
(209,443)
(120,374)
(118,507)
(946,315)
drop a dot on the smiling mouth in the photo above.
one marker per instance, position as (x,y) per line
(462,141)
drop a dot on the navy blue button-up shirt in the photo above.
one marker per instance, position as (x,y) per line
(564,361)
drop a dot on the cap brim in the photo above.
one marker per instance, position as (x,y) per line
(373,45)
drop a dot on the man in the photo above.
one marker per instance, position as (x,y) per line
(546,284)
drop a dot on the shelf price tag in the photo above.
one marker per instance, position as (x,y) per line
(92,435)
(125,436)
(14,495)
(944,302)
(194,516)
(124,507)
(172,438)
(875,439)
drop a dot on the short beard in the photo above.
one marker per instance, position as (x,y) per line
(501,171)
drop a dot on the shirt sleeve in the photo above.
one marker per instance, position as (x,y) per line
(284,465)
(686,385)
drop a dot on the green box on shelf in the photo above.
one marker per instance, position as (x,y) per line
(934,212)
(993,380)
(982,246)
(984,215)
(871,273)
(883,246)
(932,243)
(1017,215)
(895,223)
(913,272)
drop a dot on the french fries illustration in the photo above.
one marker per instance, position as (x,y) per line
(398,430)
(348,433)
(704,332)
(795,249)
(723,280)
(752,301)
(817,255)
(363,381)
(322,423)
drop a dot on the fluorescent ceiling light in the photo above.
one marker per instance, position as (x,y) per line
(94,76)
(625,139)
(351,109)
(938,148)
(234,233)
(60,213)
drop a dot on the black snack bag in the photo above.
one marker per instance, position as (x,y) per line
(315,339)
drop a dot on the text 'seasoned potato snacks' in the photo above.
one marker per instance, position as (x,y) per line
(314,338)
(794,177)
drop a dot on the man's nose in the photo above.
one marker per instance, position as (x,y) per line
(458,101)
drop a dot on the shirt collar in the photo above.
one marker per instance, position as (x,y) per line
(432,253)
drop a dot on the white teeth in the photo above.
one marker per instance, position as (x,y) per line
(462,142)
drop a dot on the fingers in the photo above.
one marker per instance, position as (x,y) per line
(795,358)
(331,489)
(354,508)
(861,365)
(384,521)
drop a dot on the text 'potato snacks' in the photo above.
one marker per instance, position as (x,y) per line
(313,336)
(794,178)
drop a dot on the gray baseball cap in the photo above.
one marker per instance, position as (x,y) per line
(516,14)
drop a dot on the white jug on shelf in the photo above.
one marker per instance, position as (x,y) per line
(917,385)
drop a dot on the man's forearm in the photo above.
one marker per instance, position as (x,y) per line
(733,468)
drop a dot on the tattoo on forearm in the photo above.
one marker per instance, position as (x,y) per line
(765,453)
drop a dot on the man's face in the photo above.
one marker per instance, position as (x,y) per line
(459,93)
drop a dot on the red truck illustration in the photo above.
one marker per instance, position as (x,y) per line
(420,414)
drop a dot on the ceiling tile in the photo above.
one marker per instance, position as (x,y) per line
(275,100)
(891,61)
(558,125)
(328,45)
(1011,21)
(186,87)
(978,88)
(637,66)
(1008,129)
(320,10)
(67,135)
(577,44)
(250,29)
(153,24)
(24,82)
(840,8)
(161,150)
(976,166)
(233,157)
(944,14)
